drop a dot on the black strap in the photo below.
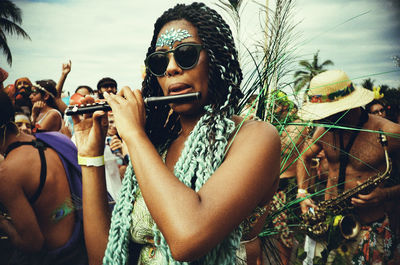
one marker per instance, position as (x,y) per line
(40,146)
(345,151)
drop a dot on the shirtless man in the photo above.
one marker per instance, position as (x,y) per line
(38,195)
(334,100)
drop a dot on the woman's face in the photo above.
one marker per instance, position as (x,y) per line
(35,95)
(181,81)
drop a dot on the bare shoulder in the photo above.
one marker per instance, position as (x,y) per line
(53,114)
(295,128)
(392,131)
(255,140)
(390,127)
(319,131)
(17,167)
(9,178)
(295,132)
(261,131)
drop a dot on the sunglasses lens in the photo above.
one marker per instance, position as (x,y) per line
(157,63)
(186,56)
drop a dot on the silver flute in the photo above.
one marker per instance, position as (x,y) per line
(149,102)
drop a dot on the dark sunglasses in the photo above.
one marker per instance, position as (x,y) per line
(186,55)
(34,90)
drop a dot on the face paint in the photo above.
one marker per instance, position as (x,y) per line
(23,123)
(22,118)
(170,37)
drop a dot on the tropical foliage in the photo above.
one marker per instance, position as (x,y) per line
(310,69)
(368,83)
(233,9)
(10,21)
(269,58)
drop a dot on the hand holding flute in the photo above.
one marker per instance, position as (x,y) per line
(128,107)
(149,102)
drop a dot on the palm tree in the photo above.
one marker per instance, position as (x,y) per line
(10,19)
(303,77)
(368,83)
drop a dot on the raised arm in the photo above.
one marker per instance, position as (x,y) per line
(194,222)
(310,149)
(66,68)
(90,136)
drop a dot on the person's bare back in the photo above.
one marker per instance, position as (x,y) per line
(20,178)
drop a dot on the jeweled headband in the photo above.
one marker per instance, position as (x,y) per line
(43,89)
(170,37)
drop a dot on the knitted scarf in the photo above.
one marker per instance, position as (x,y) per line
(193,162)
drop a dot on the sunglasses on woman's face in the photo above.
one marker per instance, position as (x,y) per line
(186,56)
(34,91)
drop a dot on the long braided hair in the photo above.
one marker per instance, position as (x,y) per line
(204,149)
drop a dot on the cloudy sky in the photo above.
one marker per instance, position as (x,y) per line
(110,38)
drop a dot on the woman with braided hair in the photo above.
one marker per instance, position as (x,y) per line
(200,178)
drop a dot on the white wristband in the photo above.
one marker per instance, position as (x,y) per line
(302,191)
(96,161)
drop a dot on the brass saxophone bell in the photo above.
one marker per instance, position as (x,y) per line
(349,226)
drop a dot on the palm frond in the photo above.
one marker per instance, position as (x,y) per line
(326,63)
(6,49)
(10,18)
(9,10)
(11,28)
(310,69)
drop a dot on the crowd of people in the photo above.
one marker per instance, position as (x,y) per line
(193,182)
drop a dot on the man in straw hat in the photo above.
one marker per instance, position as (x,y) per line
(349,137)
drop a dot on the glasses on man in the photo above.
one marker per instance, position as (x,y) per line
(186,56)
(378,111)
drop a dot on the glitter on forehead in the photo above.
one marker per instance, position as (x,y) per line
(169,37)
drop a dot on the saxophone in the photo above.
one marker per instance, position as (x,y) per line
(314,222)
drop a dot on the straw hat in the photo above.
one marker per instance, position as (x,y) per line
(332,92)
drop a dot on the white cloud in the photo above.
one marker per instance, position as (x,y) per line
(351,34)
